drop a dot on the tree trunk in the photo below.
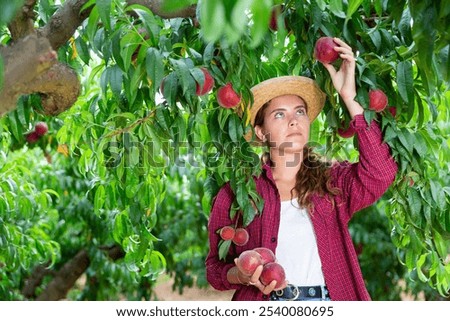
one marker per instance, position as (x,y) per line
(30,64)
(65,278)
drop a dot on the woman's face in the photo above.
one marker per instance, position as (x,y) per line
(286,124)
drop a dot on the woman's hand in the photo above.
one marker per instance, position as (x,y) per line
(344,78)
(254,280)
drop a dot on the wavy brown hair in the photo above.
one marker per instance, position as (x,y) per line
(313,176)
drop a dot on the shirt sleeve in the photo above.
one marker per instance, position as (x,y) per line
(216,270)
(364,182)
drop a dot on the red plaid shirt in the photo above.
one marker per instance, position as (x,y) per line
(361,184)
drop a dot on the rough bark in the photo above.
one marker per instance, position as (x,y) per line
(65,278)
(64,22)
(59,88)
(30,64)
(23,23)
(24,60)
(35,280)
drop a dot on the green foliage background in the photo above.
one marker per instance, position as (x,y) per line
(137,169)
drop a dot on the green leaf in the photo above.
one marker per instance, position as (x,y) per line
(184,75)
(415,205)
(104,9)
(99,199)
(440,244)
(155,67)
(15,125)
(122,227)
(353,5)
(115,75)
(9,9)
(261,15)
(83,50)
(129,43)
(337,9)
(438,194)
(406,139)
(224,247)
(405,80)
(235,128)
(210,13)
(420,263)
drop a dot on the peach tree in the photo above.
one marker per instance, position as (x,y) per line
(145,103)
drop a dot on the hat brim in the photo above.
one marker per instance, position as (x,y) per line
(304,87)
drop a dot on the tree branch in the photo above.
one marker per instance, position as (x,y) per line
(23,23)
(35,280)
(30,62)
(24,60)
(66,277)
(64,22)
(59,88)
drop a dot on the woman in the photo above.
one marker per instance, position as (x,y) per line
(307,203)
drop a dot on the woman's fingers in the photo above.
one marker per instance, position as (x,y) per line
(330,69)
(343,48)
(256,274)
(270,287)
(341,43)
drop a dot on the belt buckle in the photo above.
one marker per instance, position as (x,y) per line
(295,290)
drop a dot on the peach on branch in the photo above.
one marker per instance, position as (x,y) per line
(208,84)
(227,233)
(324,50)
(377,100)
(345,132)
(227,96)
(240,236)
(41,128)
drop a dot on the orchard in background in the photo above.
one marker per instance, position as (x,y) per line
(145,111)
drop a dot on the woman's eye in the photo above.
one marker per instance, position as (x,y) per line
(279,115)
(301,112)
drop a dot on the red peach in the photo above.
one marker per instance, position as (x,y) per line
(345,132)
(227,233)
(227,96)
(32,137)
(324,50)
(248,261)
(41,128)
(393,111)
(377,100)
(267,255)
(240,236)
(208,84)
(272,271)
(273,23)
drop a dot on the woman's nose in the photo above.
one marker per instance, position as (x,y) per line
(293,122)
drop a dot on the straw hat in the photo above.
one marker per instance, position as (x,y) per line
(304,87)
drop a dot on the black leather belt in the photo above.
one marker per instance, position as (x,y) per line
(298,293)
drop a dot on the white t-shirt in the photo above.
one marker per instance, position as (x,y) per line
(297,247)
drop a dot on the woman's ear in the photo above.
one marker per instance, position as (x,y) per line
(259,133)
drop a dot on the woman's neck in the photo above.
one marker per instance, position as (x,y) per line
(285,167)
